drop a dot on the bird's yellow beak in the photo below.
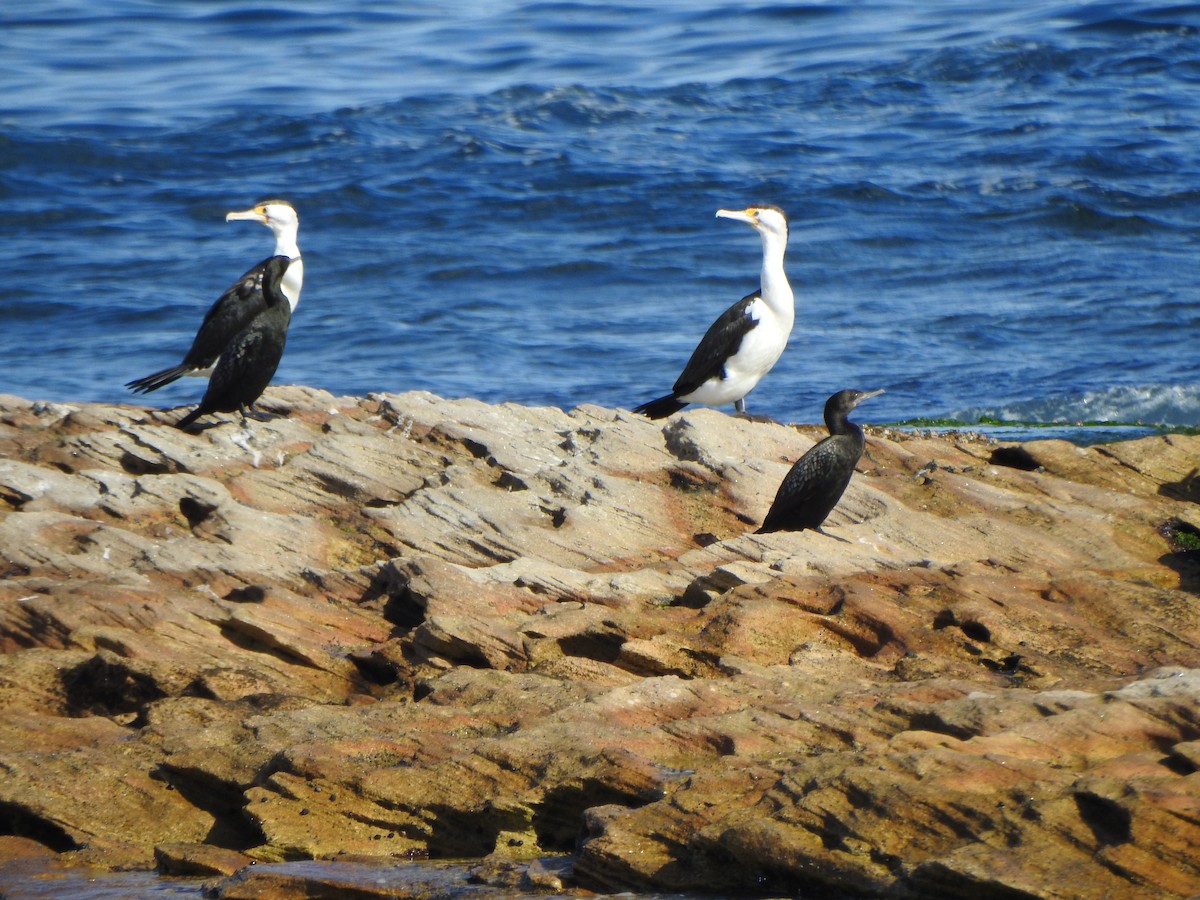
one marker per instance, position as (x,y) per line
(257,214)
(749,216)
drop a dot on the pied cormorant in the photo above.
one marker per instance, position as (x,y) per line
(242,301)
(816,482)
(249,360)
(745,342)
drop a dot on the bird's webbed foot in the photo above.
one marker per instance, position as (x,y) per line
(250,411)
(740,411)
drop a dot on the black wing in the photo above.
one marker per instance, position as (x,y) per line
(232,311)
(812,488)
(720,342)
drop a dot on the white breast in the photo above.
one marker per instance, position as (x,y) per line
(293,281)
(759,350)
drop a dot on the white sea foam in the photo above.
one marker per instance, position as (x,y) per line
(1165,405)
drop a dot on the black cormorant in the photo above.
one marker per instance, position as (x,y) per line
(744,343)
(816,482)
(249,361)
(242,301)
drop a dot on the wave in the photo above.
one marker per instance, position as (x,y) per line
(1166,406)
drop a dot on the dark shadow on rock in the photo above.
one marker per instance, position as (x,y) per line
(462,834)
(140,465)
(1184,557)
(399,605)
(1015,457)
(602,646)
(1187,564)
(196,511)
(1109,821)
(247,638)
(251,593)
(17,821)
(232,828)
(558,819)
(1187,488)
(106,687)
(378,667)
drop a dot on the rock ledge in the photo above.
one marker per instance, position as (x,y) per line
(403,627)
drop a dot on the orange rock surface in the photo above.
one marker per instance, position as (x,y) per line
(408,627)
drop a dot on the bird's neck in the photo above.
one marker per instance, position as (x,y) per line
(293,278)
(840,425)
(285,243)
(776,291)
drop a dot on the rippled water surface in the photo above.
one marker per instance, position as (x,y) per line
(440,880)
(995,208)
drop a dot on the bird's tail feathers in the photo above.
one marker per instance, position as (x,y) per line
(776,520)
(191,417)
(660,408)
(158,379)
(770,523)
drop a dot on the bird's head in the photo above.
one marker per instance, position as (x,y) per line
(844,401)
(278,215)
(764,218)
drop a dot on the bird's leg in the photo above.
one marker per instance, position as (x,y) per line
(250,412)
(739,410)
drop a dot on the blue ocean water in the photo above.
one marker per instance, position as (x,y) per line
(994,207)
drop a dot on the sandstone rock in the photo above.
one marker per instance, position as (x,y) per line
(198,859)
(357,879)
(398,627)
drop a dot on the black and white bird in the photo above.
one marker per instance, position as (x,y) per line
(249,361)
(816,482)
(745,342)
(242,301)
